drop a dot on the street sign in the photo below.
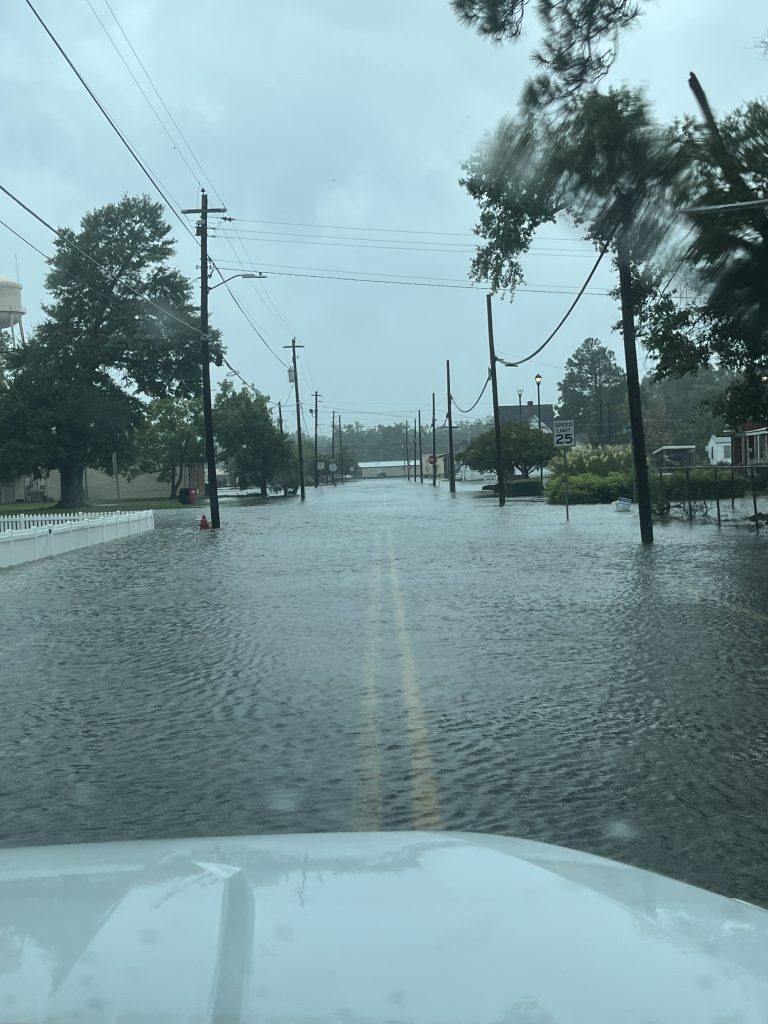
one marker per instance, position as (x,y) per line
(432,460)
(321,465)
(332,466)
(563,436)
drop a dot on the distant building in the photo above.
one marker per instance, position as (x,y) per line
(388,469)
(528,413)
(720,450)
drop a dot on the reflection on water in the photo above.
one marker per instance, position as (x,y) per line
(566,685)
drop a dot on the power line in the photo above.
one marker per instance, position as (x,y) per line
(465,411)
(149,103)
(25,240)
(140,163)
(364,275)
(394,231)
(173,122)
(386,246)
(556,290)
(247,317)
(603,250)
(164,104)
(111,122)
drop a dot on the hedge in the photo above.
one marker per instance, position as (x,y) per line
(590,489)
(519,488)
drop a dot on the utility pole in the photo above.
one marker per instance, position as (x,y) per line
(316,473)
(205,354)
(333,445)
(451,465)
(293,346)
(633,389)
(407,456)
(421,454)
(496,417)
(434,445)
(414,451)
(341,451)
(280,417)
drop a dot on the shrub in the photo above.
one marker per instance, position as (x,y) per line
(530,488)
(589,488)
(700,486)
(592,489)
(601,461)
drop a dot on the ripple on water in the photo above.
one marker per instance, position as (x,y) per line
(575,687)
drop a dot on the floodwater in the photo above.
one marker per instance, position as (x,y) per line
(386,656)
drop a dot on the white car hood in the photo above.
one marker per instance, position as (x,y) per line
(366,929)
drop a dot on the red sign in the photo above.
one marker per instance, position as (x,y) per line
(432,460)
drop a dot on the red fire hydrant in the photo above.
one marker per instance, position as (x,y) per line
(204,524)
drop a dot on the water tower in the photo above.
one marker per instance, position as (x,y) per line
(11,309)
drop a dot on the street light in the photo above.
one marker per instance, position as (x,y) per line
(520,402)
(537,381)
(226,279)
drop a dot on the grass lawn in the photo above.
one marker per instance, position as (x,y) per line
(134,505)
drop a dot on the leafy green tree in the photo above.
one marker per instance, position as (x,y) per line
(121,327)
(680,410)
(522,449)
(248,437)
(593,392)
(726,323)
(579,38)
(170,439)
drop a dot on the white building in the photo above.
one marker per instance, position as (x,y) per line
(719,450)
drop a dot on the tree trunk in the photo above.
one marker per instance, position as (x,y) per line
(72,495)
(263,487)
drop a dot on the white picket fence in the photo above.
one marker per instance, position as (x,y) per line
(28,537)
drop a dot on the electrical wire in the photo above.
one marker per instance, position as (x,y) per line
(164,104)
(109,119)
(148,101)
(603,250)
(397,278)
(394,231)
(141,164)
(531,290)
(465,411)
(25,240)
(385,245)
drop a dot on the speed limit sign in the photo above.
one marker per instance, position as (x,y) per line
(564,436)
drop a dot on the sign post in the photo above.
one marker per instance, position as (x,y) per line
(563,439)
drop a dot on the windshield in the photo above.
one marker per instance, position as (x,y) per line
(384,425)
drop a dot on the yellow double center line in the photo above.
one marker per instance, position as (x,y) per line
(426,805)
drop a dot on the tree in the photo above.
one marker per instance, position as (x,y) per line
(170,439)
(593,392)
(726,323)
(121,327)
(579,39)
(522,449)
(681,410)
(248,436)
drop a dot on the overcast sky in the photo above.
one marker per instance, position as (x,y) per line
(343,120)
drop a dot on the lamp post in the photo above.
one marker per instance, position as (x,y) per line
(537,381)
(520,403)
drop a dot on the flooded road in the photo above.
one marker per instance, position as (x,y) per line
(385,656)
